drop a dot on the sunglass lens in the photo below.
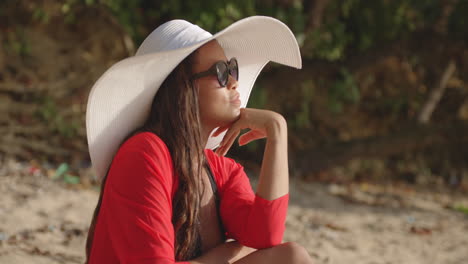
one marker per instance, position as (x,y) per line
(234,68)
(222,73)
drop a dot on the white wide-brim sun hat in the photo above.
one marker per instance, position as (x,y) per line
(120,100)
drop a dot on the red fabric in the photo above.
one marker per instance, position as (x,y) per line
(134,223)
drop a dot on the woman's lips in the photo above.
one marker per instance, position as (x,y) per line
(236,100)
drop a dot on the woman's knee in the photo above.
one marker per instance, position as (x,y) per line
(295,252)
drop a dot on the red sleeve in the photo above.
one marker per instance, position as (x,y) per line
(139,202)
(248,218)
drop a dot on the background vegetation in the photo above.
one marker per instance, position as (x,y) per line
(382,95)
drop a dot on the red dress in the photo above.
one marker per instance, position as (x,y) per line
(134,223)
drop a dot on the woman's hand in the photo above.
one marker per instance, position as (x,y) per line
(262,123)
(274,176)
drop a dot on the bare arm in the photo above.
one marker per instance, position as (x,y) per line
(274,176)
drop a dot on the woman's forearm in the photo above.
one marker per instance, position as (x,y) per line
(274,176)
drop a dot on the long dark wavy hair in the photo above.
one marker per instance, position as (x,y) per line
(175,118)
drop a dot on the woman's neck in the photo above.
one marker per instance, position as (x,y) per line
(206,131)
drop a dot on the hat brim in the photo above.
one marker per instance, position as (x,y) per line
(120,101)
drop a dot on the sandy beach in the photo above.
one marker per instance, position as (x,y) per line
(46,221)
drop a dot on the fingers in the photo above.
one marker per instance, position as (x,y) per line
(249,137)
(231,136)
(244,139)
(220,130)
(228,139)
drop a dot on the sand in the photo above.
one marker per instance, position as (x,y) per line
(46,221)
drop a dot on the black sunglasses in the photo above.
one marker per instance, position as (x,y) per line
(222,70)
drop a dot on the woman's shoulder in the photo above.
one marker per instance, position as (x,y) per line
(145,141)
(146,145)
(141,161)
(145,151)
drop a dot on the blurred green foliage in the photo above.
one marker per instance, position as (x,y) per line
(351,25)
(49,112)
(343,90)
(41,15)
(258,99)
(302,118)
(347,28)
(341,46)
(16,42)
(462,209)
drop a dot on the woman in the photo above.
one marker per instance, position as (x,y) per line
(166,198)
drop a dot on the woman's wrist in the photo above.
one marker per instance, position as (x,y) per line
(276,128)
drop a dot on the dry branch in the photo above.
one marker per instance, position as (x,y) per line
(436,94)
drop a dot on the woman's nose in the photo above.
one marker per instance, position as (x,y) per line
(232,83)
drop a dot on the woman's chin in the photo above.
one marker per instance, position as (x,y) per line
(229,119)
(235,115)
